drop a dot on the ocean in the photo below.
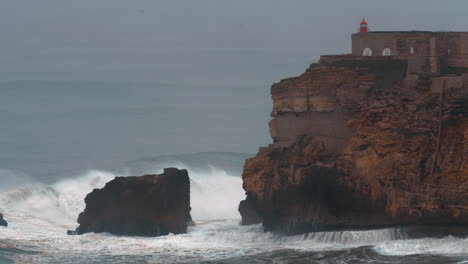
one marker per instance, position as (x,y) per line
(90,90)
(62,139)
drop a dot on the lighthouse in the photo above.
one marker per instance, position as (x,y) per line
(363,26)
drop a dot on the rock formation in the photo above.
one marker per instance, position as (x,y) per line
(359,142)
(249,215)
(2,221)
(149,205)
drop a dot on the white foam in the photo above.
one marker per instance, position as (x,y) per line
(214,194)
(209,240)
(40,215)
(59,203)
(443,246)
(361,237)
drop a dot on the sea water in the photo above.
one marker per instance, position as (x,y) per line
(61,139)
(40,214)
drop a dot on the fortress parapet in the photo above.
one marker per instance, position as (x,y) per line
(425,51)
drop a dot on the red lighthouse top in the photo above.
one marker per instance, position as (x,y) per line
(363,27)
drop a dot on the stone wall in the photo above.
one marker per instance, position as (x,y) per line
(347,60)
(399,43)
(448,82)
(459,51)
(422,44)
(425,51)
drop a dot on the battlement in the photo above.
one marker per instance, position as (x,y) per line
(425,51)
(348,59)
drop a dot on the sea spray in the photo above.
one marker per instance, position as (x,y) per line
(59,203)
(214,193)
(449,245)
(41,214)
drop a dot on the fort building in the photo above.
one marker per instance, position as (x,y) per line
(425,51)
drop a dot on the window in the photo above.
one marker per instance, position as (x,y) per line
(449,52)
(411,51)
(367,52)
(386,52)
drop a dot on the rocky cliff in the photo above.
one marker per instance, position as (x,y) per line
(2,221)
(150,205)
(362,143)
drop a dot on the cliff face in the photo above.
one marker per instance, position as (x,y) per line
(357,143)
(150,205)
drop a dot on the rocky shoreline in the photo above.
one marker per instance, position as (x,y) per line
(362,143)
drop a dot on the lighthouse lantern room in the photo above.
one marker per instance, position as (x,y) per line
(363,27)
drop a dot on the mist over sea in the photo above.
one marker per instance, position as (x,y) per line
(90,90)
(54,129)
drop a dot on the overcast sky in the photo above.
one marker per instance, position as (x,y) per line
(194,40)
(216,58)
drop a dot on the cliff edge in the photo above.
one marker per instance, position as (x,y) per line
(360,142)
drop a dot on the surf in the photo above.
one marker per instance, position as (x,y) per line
(39,215)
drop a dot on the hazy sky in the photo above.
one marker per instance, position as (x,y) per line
(217,60)
(194,41)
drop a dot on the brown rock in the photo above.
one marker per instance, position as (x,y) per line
(356,146)
(150,205)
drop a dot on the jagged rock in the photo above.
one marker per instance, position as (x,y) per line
(361,145)
(248,213)
(149,205)
(2,221)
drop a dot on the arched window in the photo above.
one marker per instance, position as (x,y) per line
(386,52)
(367,52)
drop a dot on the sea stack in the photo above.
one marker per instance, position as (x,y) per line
(370,139)
(2,221)
(149,205)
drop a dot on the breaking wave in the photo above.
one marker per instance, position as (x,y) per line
(59,203)
(215,193)
(40,214)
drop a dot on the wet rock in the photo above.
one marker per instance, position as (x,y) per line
(248,213)
(358,146)
(2,221)
(149,205)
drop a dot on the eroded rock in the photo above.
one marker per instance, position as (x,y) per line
(149,205)
(356,146)
(249,213)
